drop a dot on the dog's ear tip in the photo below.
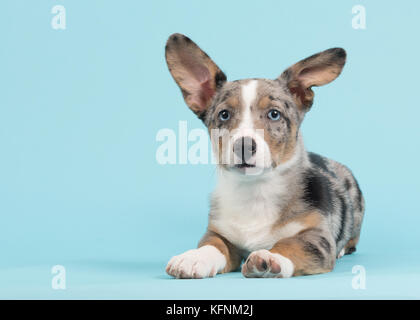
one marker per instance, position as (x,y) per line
(175,37)
(172,38)
(339,52)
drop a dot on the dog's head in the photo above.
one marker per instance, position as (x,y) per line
(254,123)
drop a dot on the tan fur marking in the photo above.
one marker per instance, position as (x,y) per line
(292,249)
(282,152)
(264,102)
(310,220)
(234,103)
(290,146)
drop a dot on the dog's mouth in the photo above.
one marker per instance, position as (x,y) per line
(245,168)
(244,165)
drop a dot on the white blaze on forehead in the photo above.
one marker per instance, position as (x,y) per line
(262,157)
(249,93)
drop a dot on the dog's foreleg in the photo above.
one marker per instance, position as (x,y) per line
(213,255)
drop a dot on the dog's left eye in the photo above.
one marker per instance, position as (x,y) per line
(224,115)
(273,114)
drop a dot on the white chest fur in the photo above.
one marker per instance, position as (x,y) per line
(248,214)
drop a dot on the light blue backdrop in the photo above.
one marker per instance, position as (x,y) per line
(80,109)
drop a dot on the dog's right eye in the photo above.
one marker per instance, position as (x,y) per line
(273,114)
(224,115)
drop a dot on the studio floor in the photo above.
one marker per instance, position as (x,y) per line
(387,276)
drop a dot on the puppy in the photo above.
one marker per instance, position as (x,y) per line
(285,211)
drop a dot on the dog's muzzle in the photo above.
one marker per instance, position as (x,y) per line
(244,149)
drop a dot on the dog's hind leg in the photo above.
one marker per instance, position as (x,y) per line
(350,247)
(311,251)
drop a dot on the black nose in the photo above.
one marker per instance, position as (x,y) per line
(244,148)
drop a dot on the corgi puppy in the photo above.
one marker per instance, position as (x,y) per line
(277,208)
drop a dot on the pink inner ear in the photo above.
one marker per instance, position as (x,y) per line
(198,81)
(204,89)
(201,94)
(316,76)
(207,92)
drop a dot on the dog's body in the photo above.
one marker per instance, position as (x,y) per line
(286,211)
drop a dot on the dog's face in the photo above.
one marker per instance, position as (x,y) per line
(253,123)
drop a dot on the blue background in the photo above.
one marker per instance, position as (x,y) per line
(80,109)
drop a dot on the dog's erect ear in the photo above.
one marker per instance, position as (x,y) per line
(195,73)
(317,70)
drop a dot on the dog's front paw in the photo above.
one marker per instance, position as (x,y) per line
(264,264)
(199,263)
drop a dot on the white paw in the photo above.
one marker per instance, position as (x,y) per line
(342,252)
(264,264)
(199,263)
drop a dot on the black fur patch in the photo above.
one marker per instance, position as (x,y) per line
(286,119)
(202,116)
(318,192)
(359,196)
(347,184)
(325,244)
(351,250)
(343,213)
(287,74)
(340,53)
(264,265)
(320,162)
(220,79)
(313,250)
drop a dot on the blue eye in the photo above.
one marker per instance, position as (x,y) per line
(224,115)
(274,114)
